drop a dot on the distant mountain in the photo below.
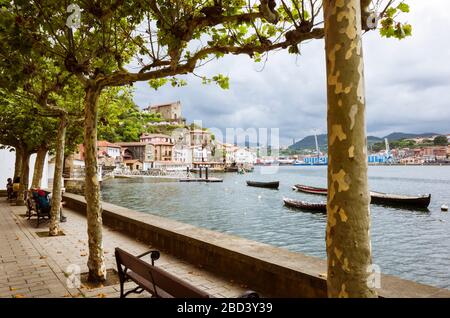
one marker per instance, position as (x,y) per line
(399,135)
(309,143)
(373,139)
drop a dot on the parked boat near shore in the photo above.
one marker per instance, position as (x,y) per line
(308,189)
(419,201)
(304,205)
(270,185)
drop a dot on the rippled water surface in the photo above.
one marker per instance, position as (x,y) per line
(411,244)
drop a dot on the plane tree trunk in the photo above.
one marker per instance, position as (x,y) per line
(18,162)
(348,216)
(58,176)
(96,261)
(39,167)
(24,178)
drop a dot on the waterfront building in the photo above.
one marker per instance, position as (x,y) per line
(162,145)
(109,149)
(244,156)
(201,153)
(134,164)
(432,153)
(169,111)
(109,154)
(315,160)
(377,158)
(225,152)
(141,151)
(411,161)
(200,137)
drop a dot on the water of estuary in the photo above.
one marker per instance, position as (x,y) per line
(411,244)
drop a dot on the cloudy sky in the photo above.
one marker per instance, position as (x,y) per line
(407,84)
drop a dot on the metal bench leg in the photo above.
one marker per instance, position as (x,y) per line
(137,290)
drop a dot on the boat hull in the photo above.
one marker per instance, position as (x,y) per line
(422,201)
(397,200)
(268,185)
(308,206)
(312,190)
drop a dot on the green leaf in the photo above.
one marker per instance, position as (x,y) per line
(157,83)
(403,7)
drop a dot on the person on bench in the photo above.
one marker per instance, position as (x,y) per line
(43,200)
(9,189)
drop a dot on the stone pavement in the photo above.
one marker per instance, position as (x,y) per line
(33,266)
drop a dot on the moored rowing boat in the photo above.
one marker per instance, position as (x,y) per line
(304,205)
(270,185)
(419,201)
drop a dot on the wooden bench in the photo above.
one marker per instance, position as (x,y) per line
(156,281)
(33,205)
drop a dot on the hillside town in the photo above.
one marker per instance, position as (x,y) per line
(186,147)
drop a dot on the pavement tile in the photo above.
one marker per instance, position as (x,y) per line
(31,266)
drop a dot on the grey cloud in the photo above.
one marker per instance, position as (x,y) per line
(407,85)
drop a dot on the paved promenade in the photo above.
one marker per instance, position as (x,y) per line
(33,266)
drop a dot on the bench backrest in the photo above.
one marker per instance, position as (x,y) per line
(155,276)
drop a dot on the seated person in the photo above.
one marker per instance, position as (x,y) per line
(16,186)
(43,200)
(9,189)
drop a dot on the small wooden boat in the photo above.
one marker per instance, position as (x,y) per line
(270,185)
(303,205)
(419,201)
(444,208)
(308,189)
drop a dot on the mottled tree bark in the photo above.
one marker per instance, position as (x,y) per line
(58,176)
(96,261)
(348,215)
(18,163)
(39,167)
(24,178)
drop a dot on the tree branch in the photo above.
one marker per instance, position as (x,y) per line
(120,78)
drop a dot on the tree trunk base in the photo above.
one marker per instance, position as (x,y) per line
(95,279)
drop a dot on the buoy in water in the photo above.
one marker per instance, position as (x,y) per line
(444,208)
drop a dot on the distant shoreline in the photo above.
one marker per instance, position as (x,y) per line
(370,164)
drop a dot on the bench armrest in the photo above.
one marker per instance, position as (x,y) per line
(154,255)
